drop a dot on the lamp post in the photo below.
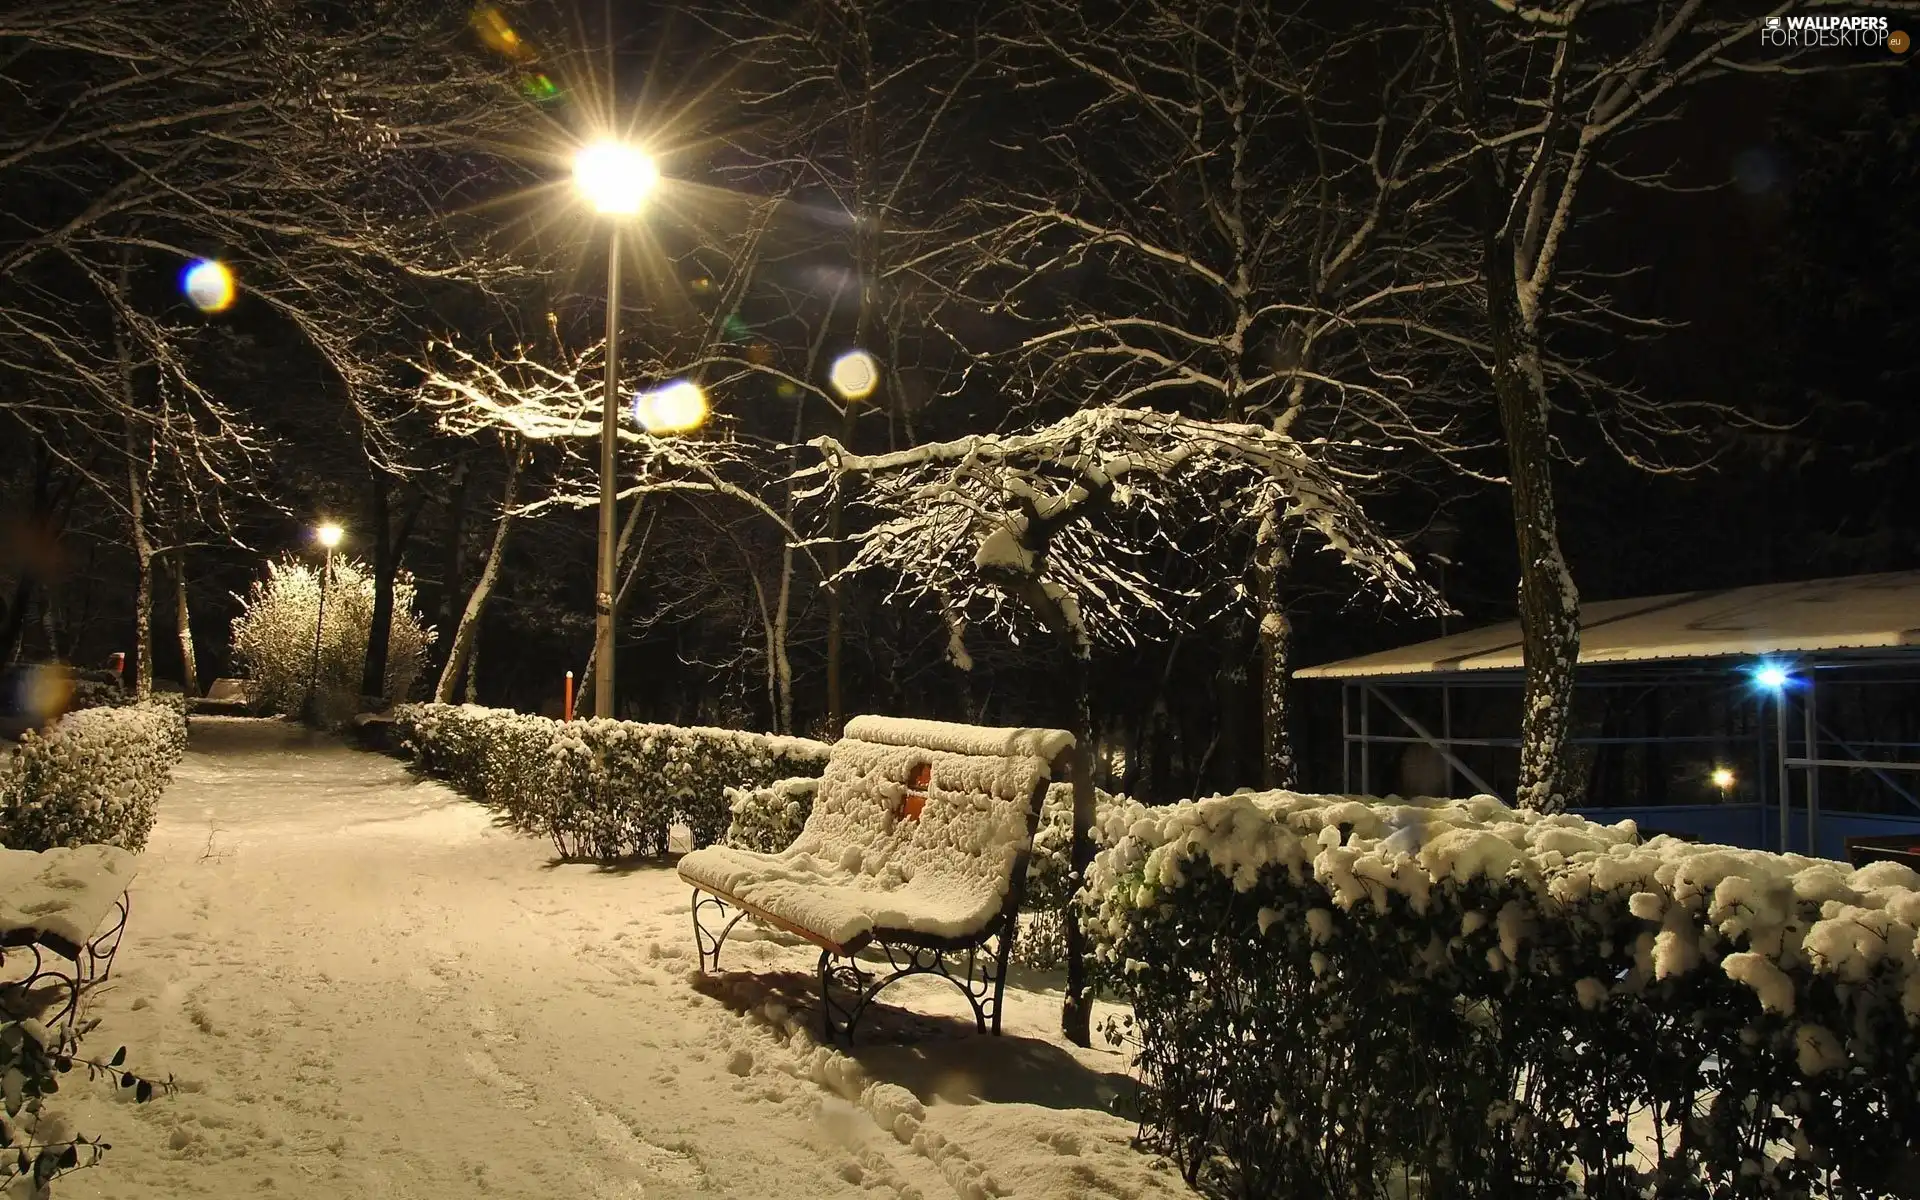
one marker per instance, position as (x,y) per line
(615,178)
(328,536)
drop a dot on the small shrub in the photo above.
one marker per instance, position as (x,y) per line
(1337,997)
(768,818)
(273,639)
(95,777)
(601,789)
(36,1146)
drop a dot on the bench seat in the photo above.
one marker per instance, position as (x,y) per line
(839,909)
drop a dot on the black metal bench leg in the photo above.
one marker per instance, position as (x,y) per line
(1001,955)
(705,942)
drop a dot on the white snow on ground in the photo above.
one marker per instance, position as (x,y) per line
(365,989)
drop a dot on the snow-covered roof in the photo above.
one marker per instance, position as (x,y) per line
(1854,612)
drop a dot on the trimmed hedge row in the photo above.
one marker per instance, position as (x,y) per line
(94,777)
(768,818)
(601,789)
(1340,997)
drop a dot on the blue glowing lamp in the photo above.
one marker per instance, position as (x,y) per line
(1771,676)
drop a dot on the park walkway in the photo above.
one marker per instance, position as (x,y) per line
(366,989)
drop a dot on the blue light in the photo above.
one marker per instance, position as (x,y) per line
(1771,676)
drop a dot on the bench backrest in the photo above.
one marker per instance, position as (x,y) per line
(983,788)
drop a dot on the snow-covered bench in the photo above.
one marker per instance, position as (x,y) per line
(917,847)
(72,902)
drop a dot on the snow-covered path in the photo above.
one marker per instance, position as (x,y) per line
(365,989)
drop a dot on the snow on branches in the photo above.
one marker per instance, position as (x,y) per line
(974,522)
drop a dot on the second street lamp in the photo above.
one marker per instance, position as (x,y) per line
(328,536)
(615,178)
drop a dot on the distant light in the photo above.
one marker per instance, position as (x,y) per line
(676,407)
(854,375)
(1722,778)
(208,285)
(1771,676)
(614,177)
(328,535)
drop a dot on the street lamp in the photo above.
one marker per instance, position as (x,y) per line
(1776,678)
(615,179)
(328,535)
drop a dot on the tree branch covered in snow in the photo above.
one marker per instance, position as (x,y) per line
(1076,509)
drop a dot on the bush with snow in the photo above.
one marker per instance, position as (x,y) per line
(601,789)
(37,1146)
(93,777)
(1337,996)
(767,819)
(273,639)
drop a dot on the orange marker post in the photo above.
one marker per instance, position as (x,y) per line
(567,705)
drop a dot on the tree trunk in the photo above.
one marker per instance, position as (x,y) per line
(836,601)
(1549,603)
(389,547)
(43,524)
(183,618)
(137,456)
(1277,768)
(454,550)
(469,627)
(1076,1008)
(373,674)
(143,581)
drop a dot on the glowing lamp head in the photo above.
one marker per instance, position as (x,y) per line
(1771,676)
(207,285)
(328,535)
(677,407)
(614,177)
(854,375)
(1722,778)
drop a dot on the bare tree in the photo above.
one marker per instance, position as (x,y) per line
(1052,527)
(857,107)
(1545,98)
(1252,247)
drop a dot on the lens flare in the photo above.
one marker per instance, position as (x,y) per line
(538,87)
(1722,778)
(677,407)
(31,696)
(207,285)
(498,33)
(854,375)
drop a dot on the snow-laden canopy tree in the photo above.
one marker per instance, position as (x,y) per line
(1057,526)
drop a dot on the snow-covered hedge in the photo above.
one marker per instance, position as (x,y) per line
(768,818)
(94,778)
(601,789)
(1333,996)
